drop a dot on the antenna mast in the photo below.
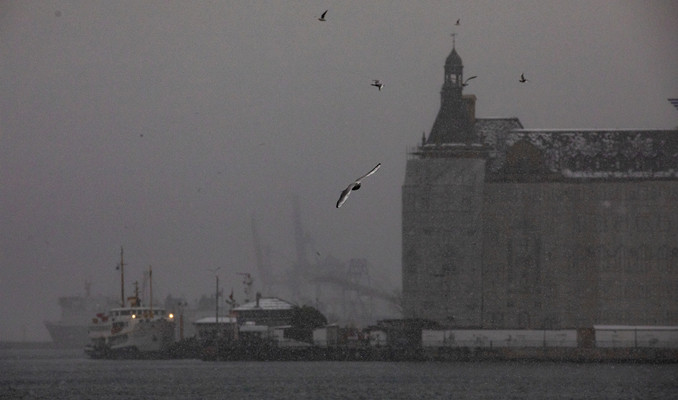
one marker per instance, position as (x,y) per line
(150,279)
(122,279)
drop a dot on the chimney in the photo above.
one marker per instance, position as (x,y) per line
(258,297)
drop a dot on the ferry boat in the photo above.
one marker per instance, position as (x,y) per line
(134,331)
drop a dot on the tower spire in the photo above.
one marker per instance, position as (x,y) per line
(453,123)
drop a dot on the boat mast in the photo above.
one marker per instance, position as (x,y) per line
(122,279)
(150,279)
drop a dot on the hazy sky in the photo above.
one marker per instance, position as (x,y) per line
(163,126)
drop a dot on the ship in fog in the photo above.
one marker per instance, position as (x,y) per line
(70,330)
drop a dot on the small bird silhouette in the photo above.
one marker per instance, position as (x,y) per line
(322,17)
(458,22)
(522,78)
(376,83)
(466,81)
(354,186)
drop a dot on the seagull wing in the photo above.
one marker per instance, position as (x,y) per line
(323,15)
(344,195)
(472,77)
(354,186)
(373,170)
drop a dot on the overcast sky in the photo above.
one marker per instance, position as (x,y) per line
(163,126)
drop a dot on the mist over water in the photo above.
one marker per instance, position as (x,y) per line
(66,374)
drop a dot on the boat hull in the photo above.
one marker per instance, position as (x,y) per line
(139,339)
(67,336)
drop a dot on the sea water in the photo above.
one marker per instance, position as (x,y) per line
(68,374)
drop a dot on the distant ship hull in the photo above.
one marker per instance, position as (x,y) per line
(65,335)
(76,313)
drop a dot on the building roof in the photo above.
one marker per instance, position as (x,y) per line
(515,153)
(210,320)
(592,153)
(453,58)
(491,131)
(266,303)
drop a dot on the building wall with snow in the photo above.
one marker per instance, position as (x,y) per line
(510,228)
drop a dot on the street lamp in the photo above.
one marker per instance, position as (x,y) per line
(216,313)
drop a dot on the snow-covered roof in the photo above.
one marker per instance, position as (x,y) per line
(266,303)
(210,320)
(596,153)
(515,153)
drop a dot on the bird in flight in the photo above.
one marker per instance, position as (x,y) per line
(377,83)
(466,81)
(322,17)
(354,186)
(522,78)
(458,22)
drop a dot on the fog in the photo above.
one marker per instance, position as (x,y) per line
(165,126)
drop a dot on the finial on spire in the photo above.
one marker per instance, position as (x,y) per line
(454,37)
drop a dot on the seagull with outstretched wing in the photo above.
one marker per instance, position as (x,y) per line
(322,17)
(377,83)
(466,81)
(354,186)
(522,78)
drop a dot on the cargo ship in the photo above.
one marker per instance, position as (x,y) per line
(70,331)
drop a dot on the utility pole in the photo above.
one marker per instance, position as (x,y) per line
(216,313)
(216,302)
(150,278)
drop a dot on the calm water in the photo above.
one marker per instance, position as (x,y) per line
(67,374)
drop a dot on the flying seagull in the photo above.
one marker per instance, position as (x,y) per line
(458,22)
(522,78)
(322,17)
(354,186)
(466,81)
(376,83)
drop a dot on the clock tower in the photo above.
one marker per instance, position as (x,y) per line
(442,199)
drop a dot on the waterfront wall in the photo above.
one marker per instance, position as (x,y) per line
(499,338)
(628,337)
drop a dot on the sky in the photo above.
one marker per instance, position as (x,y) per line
(165,126)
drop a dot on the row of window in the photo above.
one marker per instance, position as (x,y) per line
(140,311)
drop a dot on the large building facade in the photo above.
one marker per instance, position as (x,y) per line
(510,228)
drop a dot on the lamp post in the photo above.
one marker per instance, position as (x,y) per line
(216,312)
(181,306)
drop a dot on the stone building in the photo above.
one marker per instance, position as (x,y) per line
(511,228)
